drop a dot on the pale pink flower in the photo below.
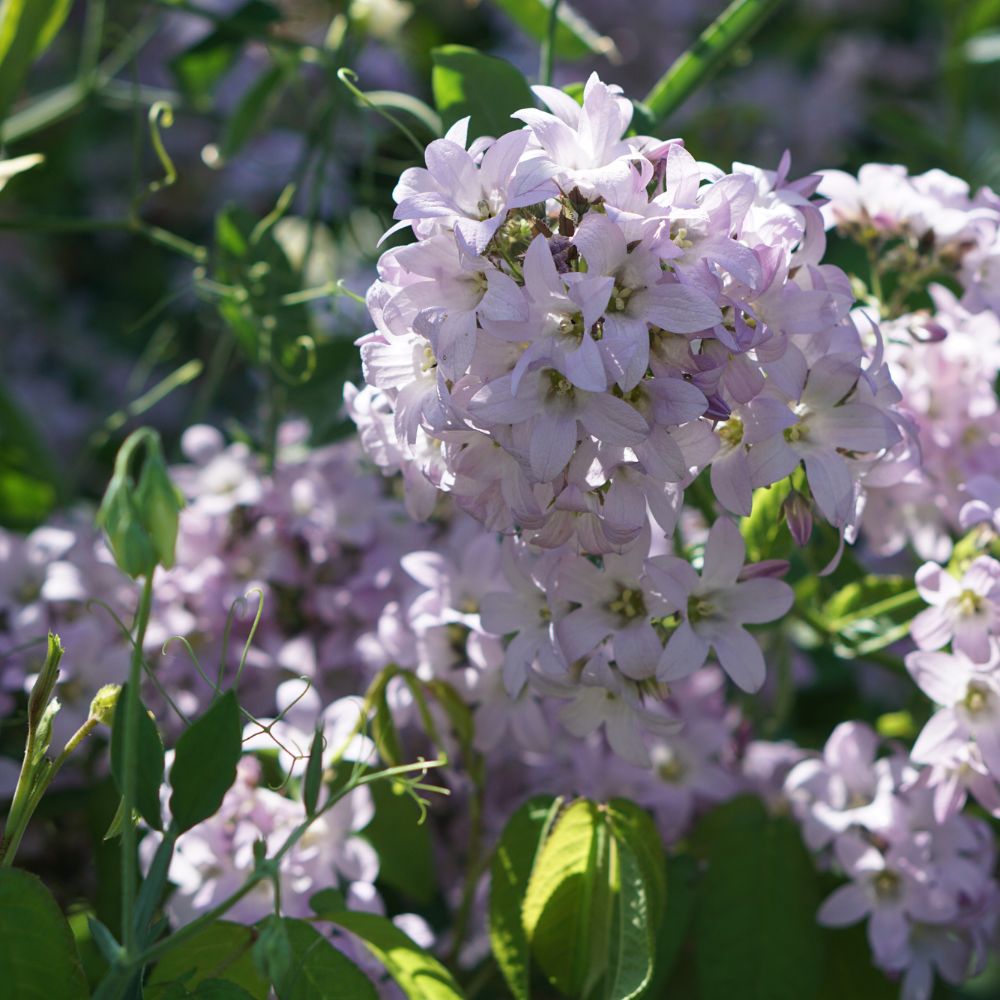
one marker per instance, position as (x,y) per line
(714,607)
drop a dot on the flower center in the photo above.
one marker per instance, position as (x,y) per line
(619,299)
(671,770)
(561,386)
(571,326)
(731,432)
(969,603)
(886,885)
(629,604)
(699,608)
(977,697)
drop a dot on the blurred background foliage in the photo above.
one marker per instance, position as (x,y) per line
(213,187)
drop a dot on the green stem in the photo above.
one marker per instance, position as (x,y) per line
(152,234)
(33,795)
(890,604)
(733,27)
(548,54)
(90,50)
(57,104)
(130,758)
(152,953)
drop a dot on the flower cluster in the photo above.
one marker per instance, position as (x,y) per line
(588,320)
(215,858)
(924,881)
(61,578)
(961,742)
(310,551)
(945,360)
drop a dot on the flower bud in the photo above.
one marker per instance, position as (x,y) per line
(798,515)
(141,520)
(773,569)
(103,706)
(160,505)
(43,734)
(45,682)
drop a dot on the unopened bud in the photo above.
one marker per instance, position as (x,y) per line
(141,519)
(45,682)
(159,504)
(43,734)
(773,569)
(103,706)
(798,515)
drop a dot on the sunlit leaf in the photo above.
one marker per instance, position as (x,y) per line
(488,89)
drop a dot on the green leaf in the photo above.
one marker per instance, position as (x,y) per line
(567,908)
(384,730)
(249,257)
(205,761)
(630,951)
(732,28)
(220,951)
(490,90)
(319,971)
(29,475)
(681,880)
(151,889)
(756,935)
(201,67)
(27,27)
(37,954)
(313,779)
(249,115)
(149,761)
(418,974)
(764,531)
(575,38)
(588,912)
(219,989)
(327,901)
(406,856)
(272,951)
(509,874)
(888,597)
(633,825)
(848,971)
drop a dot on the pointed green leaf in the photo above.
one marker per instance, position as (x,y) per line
(205,761)
(681,879)
(575,38)
(405,852)
(417,973)
(630,944)
(490,90)
(764,531)
(634,826)
(314,773)
(319,971)
(566,911)
(756,935)
(149,761)
(220,951)
(510,872)
(27,27)
(38,958)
